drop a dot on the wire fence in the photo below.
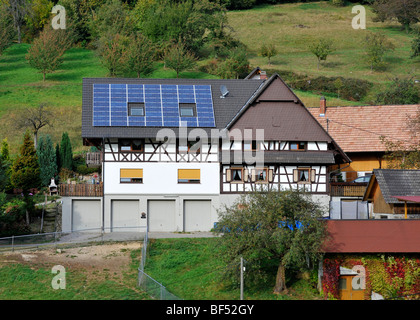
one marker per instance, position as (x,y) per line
(76,237)
(149,285)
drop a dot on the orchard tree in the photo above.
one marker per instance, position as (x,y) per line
(376,46)
(235,66)
(268,51)
(18,10)
(6,31)
(141,55)
(113,50)
(322,48)
(46,52)
(178,58)
(35,119)
(266,227)
(406,12)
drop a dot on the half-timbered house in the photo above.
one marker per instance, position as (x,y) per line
(175,150)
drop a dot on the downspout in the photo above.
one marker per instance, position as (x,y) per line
(103,185)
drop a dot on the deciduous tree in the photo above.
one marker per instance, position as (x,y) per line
(376,45)
(268,51)
(178,58)
(266,227)
(322,48)
(141,55)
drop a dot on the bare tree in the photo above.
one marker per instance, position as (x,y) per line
(35,119)
(18,9)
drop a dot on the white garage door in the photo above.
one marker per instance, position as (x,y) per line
(197,215)
(125,215)
(86,214)
(161,215)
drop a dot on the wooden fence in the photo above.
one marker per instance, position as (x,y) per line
(81,190)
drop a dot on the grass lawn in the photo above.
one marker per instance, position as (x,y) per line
(189,269)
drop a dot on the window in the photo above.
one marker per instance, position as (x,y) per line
(251,145)
(187,109)
(304,175)
(131,145)
(260,175)
(195,145)
(188,175)
(131,175)
(136,109)
(298,146)
(236,175)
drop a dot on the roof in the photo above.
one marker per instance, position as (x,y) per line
(395,182)
(415,199)
(373,236)
(240,91)
(359,128)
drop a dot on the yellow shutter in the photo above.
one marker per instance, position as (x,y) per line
(131,173)
(189,174)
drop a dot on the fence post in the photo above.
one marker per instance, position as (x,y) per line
(13,242)
(242,279)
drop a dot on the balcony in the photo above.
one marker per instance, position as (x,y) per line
(347,189)
(81,190)
(93,158)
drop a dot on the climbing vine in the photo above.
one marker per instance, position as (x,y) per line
(390,276)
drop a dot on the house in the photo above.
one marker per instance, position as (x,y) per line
(395,194)
(358,131)
(174,151)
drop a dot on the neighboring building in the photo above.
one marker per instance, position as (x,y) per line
(174,151)
(358,129)
(395,194)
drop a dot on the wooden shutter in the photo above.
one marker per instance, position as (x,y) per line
(270,175)
(246,175)
(228,175)
(253,177)
(295,175)
(312,175)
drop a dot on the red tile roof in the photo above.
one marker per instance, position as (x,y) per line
(358,128)
(377,236)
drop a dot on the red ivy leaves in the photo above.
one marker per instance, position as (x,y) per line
(331,275)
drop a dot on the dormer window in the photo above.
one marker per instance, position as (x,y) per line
(187,110)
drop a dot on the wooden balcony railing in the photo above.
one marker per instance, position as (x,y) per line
(347,189)
(93,158)
(81,190)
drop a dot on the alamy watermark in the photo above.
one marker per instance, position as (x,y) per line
(58,281)
(359,21)
(59,20)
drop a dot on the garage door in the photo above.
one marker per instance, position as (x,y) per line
(161,215)
(197,215)
(86,214)
(125,215)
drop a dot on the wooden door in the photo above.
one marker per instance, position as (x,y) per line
(347,291)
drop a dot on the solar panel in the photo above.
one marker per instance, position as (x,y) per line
(161,105)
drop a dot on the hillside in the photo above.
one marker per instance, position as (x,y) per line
(291,27)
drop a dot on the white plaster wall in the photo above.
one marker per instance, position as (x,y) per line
(162,178)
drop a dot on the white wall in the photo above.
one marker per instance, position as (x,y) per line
(162,178)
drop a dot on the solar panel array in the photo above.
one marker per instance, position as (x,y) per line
(161,104)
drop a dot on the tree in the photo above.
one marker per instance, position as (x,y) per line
(321,49)
(113,50)
(141,54)
(66,152)
(25,171)
(47,160)
(178,58)
(6,31)
(266,227)
(18,9)
(35,118)
(415,44)
(47,50)
(400,91)
(235,66)
(5,166)
(406,12)
(268,51)
(376,46)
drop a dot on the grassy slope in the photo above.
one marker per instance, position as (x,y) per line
(278,24)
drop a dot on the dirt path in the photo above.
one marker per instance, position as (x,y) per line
(98,261)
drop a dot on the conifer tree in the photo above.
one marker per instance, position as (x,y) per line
(66,152)
(47,160)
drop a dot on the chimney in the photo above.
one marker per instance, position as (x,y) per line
(263,75)
(322,107)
